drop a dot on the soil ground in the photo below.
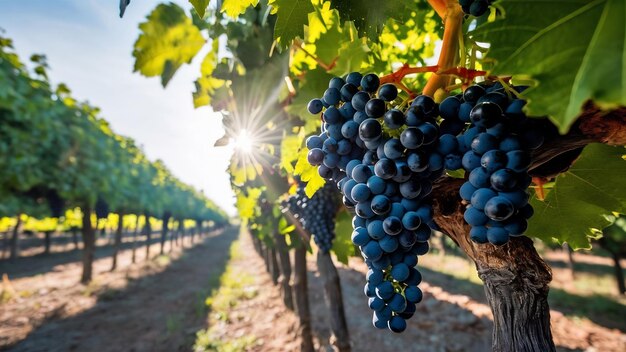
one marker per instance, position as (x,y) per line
(160,304)
(154,305)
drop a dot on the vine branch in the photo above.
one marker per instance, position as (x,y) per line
(449,55)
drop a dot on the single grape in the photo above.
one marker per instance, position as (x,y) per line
(315,106)
(370,82)
(388,92)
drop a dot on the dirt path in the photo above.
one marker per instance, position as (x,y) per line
(452,317)
(157,306)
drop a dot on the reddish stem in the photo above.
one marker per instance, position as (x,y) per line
(540,181)
(439,6)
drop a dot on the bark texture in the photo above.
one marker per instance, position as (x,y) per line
(301,293)
(516,279)
(274,270)
(334,300)
(47,240)
(15,238)
(89,245)
(148,230)
(285,270)
(164,229)
(118,239)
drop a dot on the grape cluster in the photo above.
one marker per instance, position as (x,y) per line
(316,214)
(383,160)
(495,151)
(475,7)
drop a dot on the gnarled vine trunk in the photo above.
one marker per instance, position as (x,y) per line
(334,300)
(274,270)
(164,229)
(148,230)
(47,240)
(285,270)
(118,240)
(301,293)
(135,231)
(516,278)
(89,245)
(15,238)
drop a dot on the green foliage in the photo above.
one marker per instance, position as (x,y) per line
(52,144)
(207,84)
(562,50)
(234,8)
(200,6)
(573,211)
(291,16)
(168,39)
(342,245)
(254,89)
(369,16)
(614,235)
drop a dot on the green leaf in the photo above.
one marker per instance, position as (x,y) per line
(289,148)
(351,56)
(292,15)
(342,244)
(207,85)
(234,8)
(575,50)
(312,85)
(573,211)
(308,173)
(200,6)
(167,40)
(369,16)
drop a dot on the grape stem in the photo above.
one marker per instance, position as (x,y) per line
(439,6)
(397,76)
(449,55)
(539,191)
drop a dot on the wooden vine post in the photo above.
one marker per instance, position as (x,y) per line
(284,262)
(89,245)
(334,301)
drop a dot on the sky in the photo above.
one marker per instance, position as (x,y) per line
(89,48)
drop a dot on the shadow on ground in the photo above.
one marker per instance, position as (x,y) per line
(159,312)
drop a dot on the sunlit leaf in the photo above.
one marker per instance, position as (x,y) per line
(570,65)
(574,209)
(234,8)
(168,40)
(292,16)
(200,6)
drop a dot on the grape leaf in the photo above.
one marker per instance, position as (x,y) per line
(573,210)
(351,55)
(200,6)
(369,16)
(207,84)
(168,39)
(342,244)
(292,15)
(308,174)
(312,85)
(234,8)
(289,148)
(574,50)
